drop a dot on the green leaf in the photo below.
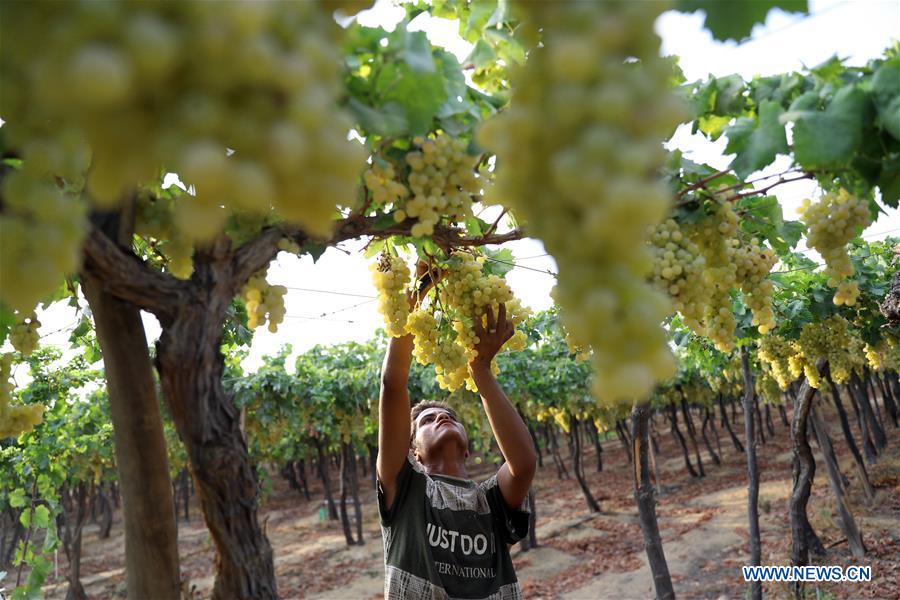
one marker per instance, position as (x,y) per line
(474,226)
(389,120)
(314,249)
(417,52)
(374,248)
(734,19)
(41,517)
(829,138)
(83,327)
(420,94)
(889,181)
(482,55)
(756,141)
(17,498)
(886,94)
(500,262)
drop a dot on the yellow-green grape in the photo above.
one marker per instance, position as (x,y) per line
(580,352)
(391,277)
(264,302)
(874,355)
(467,291)
(442,182)
(288,245)
(768,388)
(754,261)
(384,188)
(41,233)
(833,221)
(777,353)
(14,420)
(189,80)
(715,236)
(561,417)
(678,267)
(847,293)
(577,151)
(24,335)
(448,357)
(833,341)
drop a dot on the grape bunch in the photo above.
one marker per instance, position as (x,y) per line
(716,236)
(444,331)
(80,82)
(468,293)
(263,301)
(577,149)
(834,341)
(833,221)
(154,222)
(41,232)
(381,182)
(24,335)
(678,267)
(14,420)
(875,354)
(430,347)
(437,180)
(754,261)
(767,387)
(776,352)
(392,277)
(442,182)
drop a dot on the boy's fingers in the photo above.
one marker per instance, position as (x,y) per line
(501,317)
(491,324)
(479,330)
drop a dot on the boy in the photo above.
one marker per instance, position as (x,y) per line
(444,535)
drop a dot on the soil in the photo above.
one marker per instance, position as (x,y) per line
(580,555)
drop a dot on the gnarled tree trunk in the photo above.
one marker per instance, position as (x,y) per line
(645,497)
(190,368)
(752,472)
(727,424)
(593,506)
(845,520)
(848,437)
(804,470)
(673,420)
(151,536)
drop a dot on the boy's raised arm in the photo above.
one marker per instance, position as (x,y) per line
(393,414)
(515,475)
(393,404)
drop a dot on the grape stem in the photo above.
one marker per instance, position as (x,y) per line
(701,185)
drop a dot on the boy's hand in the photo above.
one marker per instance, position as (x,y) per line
(492,338)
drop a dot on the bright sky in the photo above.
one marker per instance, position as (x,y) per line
(332,300)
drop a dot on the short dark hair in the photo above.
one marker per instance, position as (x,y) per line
(421,406)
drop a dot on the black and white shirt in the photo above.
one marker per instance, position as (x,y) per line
(446,537)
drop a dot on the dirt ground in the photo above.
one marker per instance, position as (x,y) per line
(580,555)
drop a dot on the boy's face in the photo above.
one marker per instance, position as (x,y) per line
(436,426)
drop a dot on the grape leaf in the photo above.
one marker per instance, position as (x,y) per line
(387,121)
(756,141)
(734,19)
(417,51)
(829,138)
(482,55)
(420,94)
(886,94)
